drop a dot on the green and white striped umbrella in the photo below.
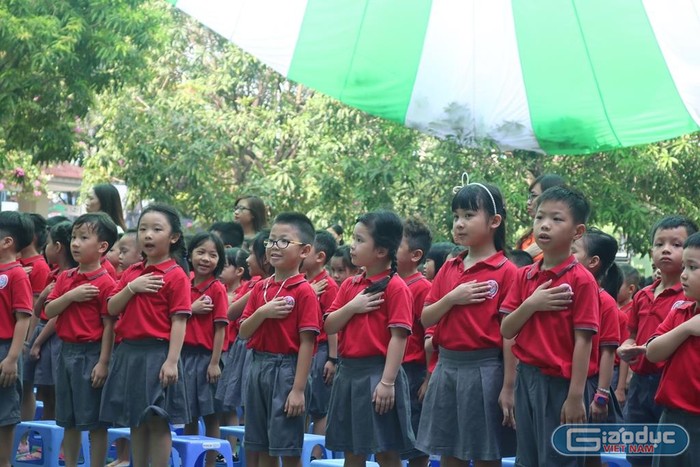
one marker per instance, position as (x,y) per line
(557,76)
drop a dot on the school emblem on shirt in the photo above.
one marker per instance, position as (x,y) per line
(567,287)
(678,304)
(493,288)
(290,300)
(206,298)
(3,281)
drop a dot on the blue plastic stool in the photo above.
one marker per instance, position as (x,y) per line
(114,434)
(239,432)
(508,462)
(192,447)
(39,411)
(51,439)
(310,442)
(614,460)
(336,463)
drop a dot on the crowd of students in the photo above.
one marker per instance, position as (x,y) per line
(391,346)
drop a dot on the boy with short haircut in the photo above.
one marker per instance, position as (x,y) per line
(16,233)
(629,288)
(325,360)
(552,311)
(129,251)
(280,321)
(650,307)
(79,300)
(677,341)
(231,233)
(411,254)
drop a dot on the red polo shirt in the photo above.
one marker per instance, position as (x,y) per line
(478,326)
(148,315)
(39,277)
(241,291)
(200,327)
(430,332)
(680,382)
(109,267)
(609,330)
(419,287)
(281,336)
(81,322)
(645,316)
(368,334)
(15,297)
(325,299)
(547,338)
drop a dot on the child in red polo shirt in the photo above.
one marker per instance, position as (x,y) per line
(410,255)
(630,287)
(677,341)
(475,374)
(552,311)
(129,251)
(86,330)
(16,233)
(369,411)
(280,322)
(145,388)
(341,266)
(649,308)
(206,331)
(325,360)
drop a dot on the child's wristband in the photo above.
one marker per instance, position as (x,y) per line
(386,384)
(128,287)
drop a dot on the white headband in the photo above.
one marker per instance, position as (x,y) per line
(465,182)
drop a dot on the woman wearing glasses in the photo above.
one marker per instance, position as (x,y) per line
(251,213)
(541,183)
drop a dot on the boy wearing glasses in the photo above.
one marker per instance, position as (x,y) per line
(280,322)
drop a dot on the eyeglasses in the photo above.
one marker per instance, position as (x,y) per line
(282,243)
(241,208)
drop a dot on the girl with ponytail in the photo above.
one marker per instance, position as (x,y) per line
(373,317)
(596,250)
(475,375)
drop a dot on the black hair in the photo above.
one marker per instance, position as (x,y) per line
(520,258)
(101,224)
(438,253)
(324,241)
(51,221)
(231,233)
(673,222)
(631,275)
(577,203)
(546,181)
(475,197)
(19,226)
(386,230)
(302,224)
(258,249)
(343,252)
(338,229)
(110,202)
(41,231)
(257,209)
(62,233)
(604,246)
(418,236)
(237,257)
(693,241)
(202,237)
(177,249)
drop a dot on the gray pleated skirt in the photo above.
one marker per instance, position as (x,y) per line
(691,423)
(320,391)
(230,392)
(42,372)
(200,392)
(133,392)
(461,416)
(353,423)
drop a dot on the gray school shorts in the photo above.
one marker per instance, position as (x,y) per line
(42,372)
(461,416)
(10,397)
(320,391)
(200,393)
(691,423)
(640,406)
(77,402)
(267,427)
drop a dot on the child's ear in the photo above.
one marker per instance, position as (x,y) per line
(416,255)
(240,271)
(6,242)
(381,252)
(305,250)
(103,248)
(580,230)
(496,220)
(174,238)
(594,262)
(321,257)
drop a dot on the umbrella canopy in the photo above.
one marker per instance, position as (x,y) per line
(564,77)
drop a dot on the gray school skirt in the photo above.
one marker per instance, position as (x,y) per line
(200,392)
(230,392)
(320,391)
(353,424)
(42,372)
(133,392)
(691,423)
(77,402)
(415,372)
(461,416)
(10,397)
